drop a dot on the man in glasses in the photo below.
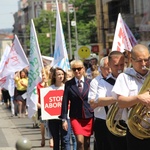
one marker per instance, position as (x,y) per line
(126,91)
(81,114)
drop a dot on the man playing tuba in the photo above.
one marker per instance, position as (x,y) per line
(102,102)
(132,93)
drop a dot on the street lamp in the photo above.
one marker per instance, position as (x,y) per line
(76,32)
(49,35)
(51,38)
(69,33)
(74,24)
(102,25)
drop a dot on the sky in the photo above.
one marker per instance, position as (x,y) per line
(7,9)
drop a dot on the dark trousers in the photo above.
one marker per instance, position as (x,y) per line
(134,143)
(105,140)
(58,134)
(6,96)
(100,133)
(55,129)
(116,142)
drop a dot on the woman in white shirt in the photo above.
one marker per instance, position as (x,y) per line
(55,125)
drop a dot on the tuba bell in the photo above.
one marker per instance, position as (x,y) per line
(113,121)
(139,115)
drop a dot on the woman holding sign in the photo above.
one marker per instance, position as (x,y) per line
(57,85)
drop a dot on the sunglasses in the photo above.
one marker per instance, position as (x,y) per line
(79,69)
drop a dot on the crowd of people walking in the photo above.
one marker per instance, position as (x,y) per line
(93,92)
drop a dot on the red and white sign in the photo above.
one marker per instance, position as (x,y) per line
(51,101)
(123,39)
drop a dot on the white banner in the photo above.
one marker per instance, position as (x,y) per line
(121,40)
(131,37)
(34,75)
(15,61)
(4,57)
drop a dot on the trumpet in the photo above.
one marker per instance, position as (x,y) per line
(139,115)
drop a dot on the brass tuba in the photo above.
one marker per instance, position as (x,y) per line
(139,116)
(113,121)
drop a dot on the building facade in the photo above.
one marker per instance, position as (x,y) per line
(5,40)
(135,13)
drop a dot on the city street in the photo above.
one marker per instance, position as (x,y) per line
(13,128)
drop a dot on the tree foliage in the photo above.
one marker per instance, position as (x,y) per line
(85,21)
(43,24)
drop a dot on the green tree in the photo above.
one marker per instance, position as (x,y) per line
(86,22)
(42,26)
(86,26)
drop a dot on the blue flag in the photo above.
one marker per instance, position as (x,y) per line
(60,52)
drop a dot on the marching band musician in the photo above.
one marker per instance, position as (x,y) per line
(99,134)
(127,87)
(106,140)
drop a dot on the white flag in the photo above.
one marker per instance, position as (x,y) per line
(34,75)
(131,37)
(8,83)
(4,57)
(121,40)
(15,61)
(60,52)
(18,48)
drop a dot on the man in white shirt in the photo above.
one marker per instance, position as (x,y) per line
(105,70)
(126,90)
(104,139)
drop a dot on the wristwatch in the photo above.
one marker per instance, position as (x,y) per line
(63,120)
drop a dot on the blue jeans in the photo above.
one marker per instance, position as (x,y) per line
(66,137)
(74,143)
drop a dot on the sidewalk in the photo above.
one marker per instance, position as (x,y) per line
(13,128)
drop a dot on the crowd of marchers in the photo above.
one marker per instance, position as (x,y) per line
(103,97)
